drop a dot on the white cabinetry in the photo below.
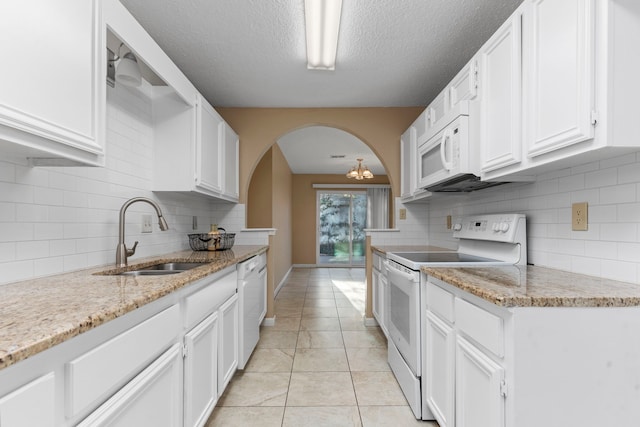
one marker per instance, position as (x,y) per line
(228,342)
(479,380)
(52,90)
(379,292)
(201,371)
(208,147)
(18,409)
(409,167)
(500,119)
(439,354)
(152,398)
(558,74)
(231,162)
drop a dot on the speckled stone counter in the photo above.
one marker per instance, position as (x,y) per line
(38,314)
(538,287)
(384,249)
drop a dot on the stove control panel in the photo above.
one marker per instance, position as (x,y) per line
(493,227)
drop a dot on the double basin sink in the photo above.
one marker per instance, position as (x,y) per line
(162,269)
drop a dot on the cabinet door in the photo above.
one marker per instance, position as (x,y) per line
(201,371)
(30,405)
(227,342)
(439,359)
(153,398)
(231,159)
(52,92)
(208,147)
(464,86)
(437,109)
(479,385)
(558,74)
(500,70)
(406,159)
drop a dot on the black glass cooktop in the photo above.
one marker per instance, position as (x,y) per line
(441,257)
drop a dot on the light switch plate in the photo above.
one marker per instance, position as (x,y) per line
(146,224)
(403,213)
(579,216)
(448,222)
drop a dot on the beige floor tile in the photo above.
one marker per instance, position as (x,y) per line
(320,360)
(350,312)
(270,360)
(288,311)
(320,339)
(372,337)
(320,324)
(289,302)
(351,324)
(284,324)
(243,416)
(319,293)
(321,389)
(377,388)
(328,416)
(320,302)
(319,312)
(368,359)
(256,389)
(277,339)
(342,301)
(391,416)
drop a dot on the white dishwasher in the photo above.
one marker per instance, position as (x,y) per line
(252,301)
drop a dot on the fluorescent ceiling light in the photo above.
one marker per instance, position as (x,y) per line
(322,21)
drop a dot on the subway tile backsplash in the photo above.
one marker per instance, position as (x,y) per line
(54,220)
(611,246)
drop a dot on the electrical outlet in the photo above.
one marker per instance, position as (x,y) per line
(579,216)
(448,222)
(146,224)
(403,213)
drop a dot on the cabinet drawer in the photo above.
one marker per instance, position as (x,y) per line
(31,405)
(97,374)
(440,302)
(204,302)
(481,326)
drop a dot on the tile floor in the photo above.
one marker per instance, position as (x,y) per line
(318,365)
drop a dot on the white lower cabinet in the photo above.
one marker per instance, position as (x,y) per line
(228,342)
(201,371)
(438,387)
(479,380)
(31,405)
(379,291)
(153,398)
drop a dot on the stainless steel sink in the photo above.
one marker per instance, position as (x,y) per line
(161,269)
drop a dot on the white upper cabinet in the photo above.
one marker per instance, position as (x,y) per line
(500,65)
(558,74)
(209,143)
(464,86)
(409,167)
(53,95)
(231,149)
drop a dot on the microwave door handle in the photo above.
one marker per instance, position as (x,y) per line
(446,136)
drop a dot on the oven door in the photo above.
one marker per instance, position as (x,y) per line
(404,312)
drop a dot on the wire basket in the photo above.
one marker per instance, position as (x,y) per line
(212,242)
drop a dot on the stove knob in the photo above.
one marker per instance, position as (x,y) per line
(457,227)
(496,227)
(504,227)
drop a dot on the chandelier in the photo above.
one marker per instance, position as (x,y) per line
(359,172)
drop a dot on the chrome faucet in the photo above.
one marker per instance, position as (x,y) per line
(122,253)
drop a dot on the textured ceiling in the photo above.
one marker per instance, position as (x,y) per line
(251,53)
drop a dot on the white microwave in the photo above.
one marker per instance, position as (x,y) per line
(444,155)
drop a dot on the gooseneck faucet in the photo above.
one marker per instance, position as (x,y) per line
(122,252)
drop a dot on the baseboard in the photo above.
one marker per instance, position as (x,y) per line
(370,321)
(282,282)
(269,321)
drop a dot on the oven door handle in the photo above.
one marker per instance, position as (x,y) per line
(401,274)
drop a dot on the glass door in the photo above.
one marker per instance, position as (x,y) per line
(342,217)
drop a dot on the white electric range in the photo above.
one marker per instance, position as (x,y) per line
(484,240)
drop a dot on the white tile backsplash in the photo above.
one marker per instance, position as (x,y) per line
(611,246)
(54,220)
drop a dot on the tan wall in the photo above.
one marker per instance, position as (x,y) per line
(305,212)
(260,200)
(260,128)
(281,214)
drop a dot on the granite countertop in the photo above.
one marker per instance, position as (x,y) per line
(531,286)
(384,249)
(40,313)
